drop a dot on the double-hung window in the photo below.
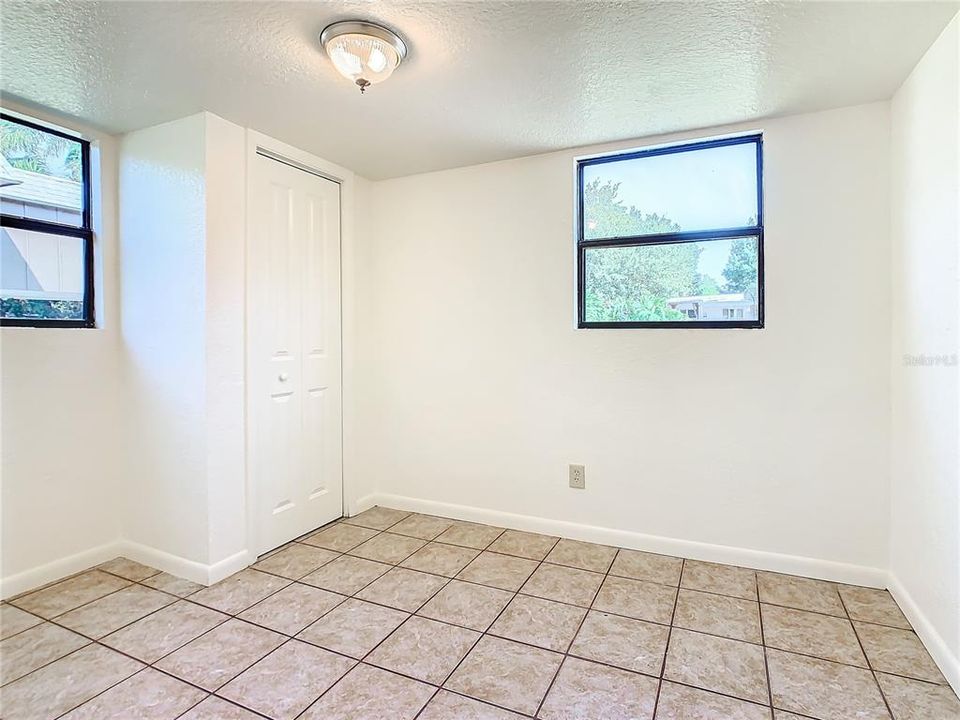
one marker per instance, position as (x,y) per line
(46,266)
(672,236)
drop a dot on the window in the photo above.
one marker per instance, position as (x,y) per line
(672,237)
(46,258)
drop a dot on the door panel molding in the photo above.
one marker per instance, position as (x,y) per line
(303,375)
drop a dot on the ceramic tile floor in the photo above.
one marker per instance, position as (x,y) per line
(400,616)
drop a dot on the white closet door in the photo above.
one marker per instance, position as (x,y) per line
(294,352)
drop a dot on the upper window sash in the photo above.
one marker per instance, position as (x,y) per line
(676,194)
(85,226)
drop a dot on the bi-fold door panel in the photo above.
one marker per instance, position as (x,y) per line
(294,351)
(321,346)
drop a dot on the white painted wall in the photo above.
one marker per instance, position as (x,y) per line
(182,220)
(60,417)
(479,391)
(163,236)
(360,348)
(925,224)
(225,269)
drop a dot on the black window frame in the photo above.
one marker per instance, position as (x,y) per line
(84,231)
(755,230)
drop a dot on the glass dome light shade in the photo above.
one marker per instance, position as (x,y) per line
(363,57)
(363,53)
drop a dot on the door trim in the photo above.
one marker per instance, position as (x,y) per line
(260,144)
(263,152)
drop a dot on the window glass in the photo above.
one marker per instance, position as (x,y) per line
(41,175)
(42,275)
(712,188)
(715,280)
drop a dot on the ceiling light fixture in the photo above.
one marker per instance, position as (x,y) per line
(363,52)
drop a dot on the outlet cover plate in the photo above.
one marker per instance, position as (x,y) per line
(578,478)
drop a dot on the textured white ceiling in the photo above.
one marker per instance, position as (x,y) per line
(484,80)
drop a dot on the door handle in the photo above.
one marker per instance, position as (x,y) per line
(283,377)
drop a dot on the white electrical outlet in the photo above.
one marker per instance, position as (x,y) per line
(578,477)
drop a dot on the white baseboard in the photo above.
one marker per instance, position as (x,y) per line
(173,564)
(941,653)
(182,567)
(365,503)
(760,560)
(757,559)
(228,566)
(48,573)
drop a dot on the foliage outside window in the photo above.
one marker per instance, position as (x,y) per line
(46,239)
(672,237)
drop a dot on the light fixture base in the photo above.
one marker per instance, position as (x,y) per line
(361,27)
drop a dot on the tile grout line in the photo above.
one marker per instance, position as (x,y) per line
(152,666)
(290,638)
(479,636)
(236,616)
(360,661)
(130,584)
(146,666)
(177,598)
(51,662)
(606,574)
(866,657)
(486,632)
(763,643)
(411,615)
(119,682)
(230,616)
(666,648)
(216,692)
(229,702)
(90,640)
(27,612)
(47,586)
(73,652)
(516,594)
